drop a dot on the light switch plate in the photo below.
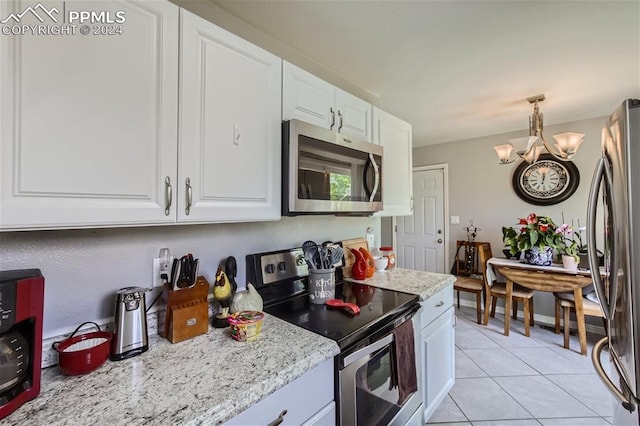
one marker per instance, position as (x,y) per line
(455,220)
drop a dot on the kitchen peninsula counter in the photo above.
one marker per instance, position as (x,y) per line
(208,379)
(424,284)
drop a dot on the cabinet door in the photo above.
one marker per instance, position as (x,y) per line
(438,368)
(397,181)
(308,98)
(89,122)
(230,132)
(309,398)
(353,116)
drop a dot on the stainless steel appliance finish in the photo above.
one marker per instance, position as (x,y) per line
(130,325)
(363,369)
(364,376)
(615,194)
(325,172)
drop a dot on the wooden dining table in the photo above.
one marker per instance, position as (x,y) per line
(554,278)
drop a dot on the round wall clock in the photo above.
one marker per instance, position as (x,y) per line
(545,182)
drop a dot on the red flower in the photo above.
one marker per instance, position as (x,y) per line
(532,218)
(544,227)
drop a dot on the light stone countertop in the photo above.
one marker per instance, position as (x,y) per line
(424,284)
(208,379)
(204,380)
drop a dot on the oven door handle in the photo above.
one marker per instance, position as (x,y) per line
(385,341)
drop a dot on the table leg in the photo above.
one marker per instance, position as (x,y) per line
(582,332)
(507,306)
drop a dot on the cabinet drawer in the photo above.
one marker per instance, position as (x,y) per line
(436,305)
(299,400)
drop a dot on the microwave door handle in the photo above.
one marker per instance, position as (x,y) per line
(376,183)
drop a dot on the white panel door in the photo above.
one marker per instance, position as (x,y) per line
(354,116)
(230,132)
(395,137)
(306,97)
(421,235)
(89,122)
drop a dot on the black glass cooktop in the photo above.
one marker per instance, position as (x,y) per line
(378,307)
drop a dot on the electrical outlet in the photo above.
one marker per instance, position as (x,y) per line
(161,268)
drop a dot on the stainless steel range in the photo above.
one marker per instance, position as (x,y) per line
(368,390)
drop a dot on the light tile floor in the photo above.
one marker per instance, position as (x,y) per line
(521,381)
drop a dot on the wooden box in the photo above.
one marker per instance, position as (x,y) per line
(187,313)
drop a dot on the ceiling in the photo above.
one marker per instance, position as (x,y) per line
(463,69)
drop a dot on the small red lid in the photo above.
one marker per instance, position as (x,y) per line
(386,248)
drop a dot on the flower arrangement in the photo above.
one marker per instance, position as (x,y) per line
(571,242)
(536,231)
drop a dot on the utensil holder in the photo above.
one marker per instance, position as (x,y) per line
(187,313)
(322,285)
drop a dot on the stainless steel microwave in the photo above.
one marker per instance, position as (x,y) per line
(325,172)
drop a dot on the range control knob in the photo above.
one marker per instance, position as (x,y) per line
(270,268)
(282,266)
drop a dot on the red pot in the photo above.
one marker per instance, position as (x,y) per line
(83,353)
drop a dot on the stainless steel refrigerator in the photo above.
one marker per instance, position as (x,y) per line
(614,220)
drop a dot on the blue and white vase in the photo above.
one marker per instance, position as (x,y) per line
(539,256)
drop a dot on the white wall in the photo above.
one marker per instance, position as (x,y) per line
(84,268)
(480,188)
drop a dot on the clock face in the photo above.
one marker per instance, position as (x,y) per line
(547,181)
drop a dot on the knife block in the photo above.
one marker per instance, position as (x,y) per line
(187,313)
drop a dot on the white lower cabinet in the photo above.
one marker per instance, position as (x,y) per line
(437,350)
(308,400)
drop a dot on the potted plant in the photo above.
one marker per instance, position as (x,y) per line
(537,238)
(570,246)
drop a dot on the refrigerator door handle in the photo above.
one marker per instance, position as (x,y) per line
(627,403)
(605,302)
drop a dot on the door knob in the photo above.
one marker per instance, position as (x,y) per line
(439,231)
(439,240)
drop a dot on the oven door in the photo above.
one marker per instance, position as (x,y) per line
(367,392)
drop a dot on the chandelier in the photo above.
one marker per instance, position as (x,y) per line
(565,148)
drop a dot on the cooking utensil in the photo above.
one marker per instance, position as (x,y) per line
(83,353)
(311,255)
(337,254)
(350,308)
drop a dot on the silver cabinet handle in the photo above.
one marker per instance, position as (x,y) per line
(279,420)
(411,203)
(341,121)
(168,195)
(189,194)
(441,303)
(333,118)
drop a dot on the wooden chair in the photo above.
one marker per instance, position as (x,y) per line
(566,301)
(468,277)
(495,290)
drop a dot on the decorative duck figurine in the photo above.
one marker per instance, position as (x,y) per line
(359,268)
(371,267)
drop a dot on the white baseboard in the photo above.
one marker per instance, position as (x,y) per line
(538,318)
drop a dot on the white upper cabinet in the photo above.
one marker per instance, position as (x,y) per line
(88,124)
(394,135)
(230,132)
(313,100)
